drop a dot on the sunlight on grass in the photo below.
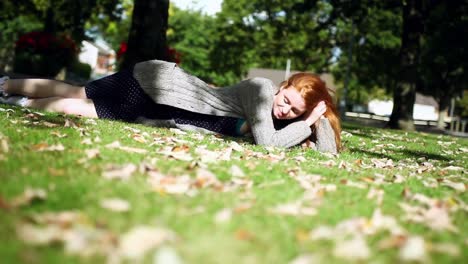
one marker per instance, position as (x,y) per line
(90,191)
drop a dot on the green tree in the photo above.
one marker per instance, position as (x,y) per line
(113,27)
(444,60)
(265,34)
(371,33)
(191,33)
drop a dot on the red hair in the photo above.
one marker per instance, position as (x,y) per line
(313,90)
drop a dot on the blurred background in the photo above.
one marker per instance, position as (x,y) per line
(403,63)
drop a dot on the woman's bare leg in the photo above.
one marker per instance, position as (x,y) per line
(71,106)
(42,88)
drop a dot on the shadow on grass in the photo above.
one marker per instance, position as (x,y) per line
(406,153)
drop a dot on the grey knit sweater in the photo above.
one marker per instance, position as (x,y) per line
(251,100)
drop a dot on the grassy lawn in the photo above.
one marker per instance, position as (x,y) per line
(92,191)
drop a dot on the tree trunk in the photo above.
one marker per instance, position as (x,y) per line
(405,93)
(147,37)
(444,102)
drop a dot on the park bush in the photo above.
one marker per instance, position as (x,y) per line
(43,54)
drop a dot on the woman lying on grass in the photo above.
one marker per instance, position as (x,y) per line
(161,94)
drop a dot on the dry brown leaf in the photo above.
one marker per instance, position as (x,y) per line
(206,178)
(117,145)
(141,239)
(170,184)
(244,235)
(115,205)
(47,147)
(92,153)
(414,249)
(458,186)
(376,194)
(294,209)
(453,168)
(235,146)
(224,215)
(35,235)
(70,123)
(28,196)
(122,172)
(58,134)
(178,155)
(352,249)
(307,259)
(236,171)
(87,141)
(166,255)
(56,172)
(4,147)
(445,248)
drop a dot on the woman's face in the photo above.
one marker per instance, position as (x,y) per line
(288,104)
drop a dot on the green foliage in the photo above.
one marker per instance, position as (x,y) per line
(80,70)
(462,104)
(10,30)
(43,54)
(444,65)
(53,16)
(191,33)
(374,30)
(113,26)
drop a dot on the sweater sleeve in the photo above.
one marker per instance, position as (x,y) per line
(326,137)
(257,96)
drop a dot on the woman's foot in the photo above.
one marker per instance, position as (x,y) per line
(14,100)
(3,81)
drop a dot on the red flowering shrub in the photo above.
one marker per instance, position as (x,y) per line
(171,54)
(122,49)
(43,54)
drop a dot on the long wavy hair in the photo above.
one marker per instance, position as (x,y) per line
(313,90)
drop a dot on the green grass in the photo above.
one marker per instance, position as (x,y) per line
(254,233)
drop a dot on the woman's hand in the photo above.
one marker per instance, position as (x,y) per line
(311,117)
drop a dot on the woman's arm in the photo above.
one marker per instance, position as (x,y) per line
(256,96)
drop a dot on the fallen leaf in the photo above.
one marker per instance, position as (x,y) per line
(58,134)
(122,172)
(294,209)
(92,153)
(34,235)
(56,172)
(4,147)
(223,216)
(141,239)
(445,248)
(458,186)
(70,123)
(166,255)
(307,259)
(46,147)
(117,145)
(236,171)
(28,196)
(414,249)
(115,205)
(376,194)
(352,249)
(245,235)
(453,168)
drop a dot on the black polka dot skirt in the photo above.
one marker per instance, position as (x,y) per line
(120,97)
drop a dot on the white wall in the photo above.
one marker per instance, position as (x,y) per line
(420,112)
(89,54)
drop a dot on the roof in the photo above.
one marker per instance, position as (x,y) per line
(425,100)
